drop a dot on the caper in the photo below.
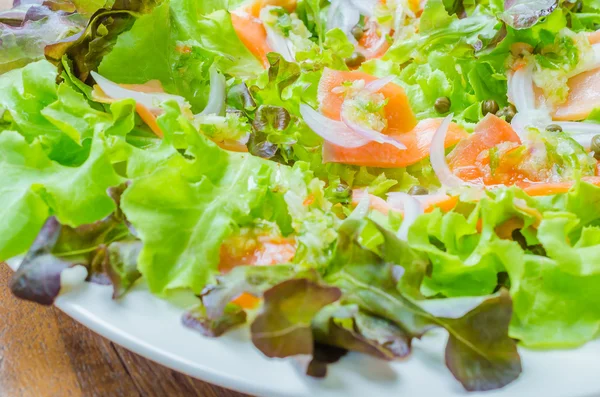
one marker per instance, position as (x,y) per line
(489,106)
(507,112)
(355,60)
(418,190)
(595,146)
(342,188)
(554,128)
(442,104)
(358,32)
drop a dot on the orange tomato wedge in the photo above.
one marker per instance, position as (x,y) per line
(262,251)
(373,154)
(584,96)
(252,34)
(399,114)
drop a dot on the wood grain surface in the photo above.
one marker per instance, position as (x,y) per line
(44,353)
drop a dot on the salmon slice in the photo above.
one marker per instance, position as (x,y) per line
(469,159)
(444,202)
(254,7)
(150,87)
(373,154)
(252,34)
(550,188)
(399,114)
(594,37)
(584,96)
(371,44)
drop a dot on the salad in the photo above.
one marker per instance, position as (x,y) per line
(338,175)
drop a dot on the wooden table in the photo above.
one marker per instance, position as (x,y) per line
(44,353)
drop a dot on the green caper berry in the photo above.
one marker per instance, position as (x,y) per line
(355,60)
(418,190)
(358,32)
(442,104)
(507,112)
(489,106)
(554,128)
(595,146)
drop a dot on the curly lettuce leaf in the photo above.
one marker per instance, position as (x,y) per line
(479,352)
(213,191)
(34,187)
(214,33)
(182,67)
(59,117)
(95,246)
(561,283)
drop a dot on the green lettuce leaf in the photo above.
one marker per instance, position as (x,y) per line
(182,67)
(35,187)
(59,117)
(479,352)
(214,33)
(211,194)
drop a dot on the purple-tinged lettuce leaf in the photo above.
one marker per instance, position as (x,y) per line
(523,14)
(479,352)
(323,355)
(369,281)
(25,31)
(38,276)
(95,246)
(117,262)
(349,328)
(87,48)
(283,326)
(198,320)
(254,280)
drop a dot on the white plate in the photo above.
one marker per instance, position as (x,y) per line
(152,328)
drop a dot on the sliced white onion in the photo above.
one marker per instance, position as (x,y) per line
(437,154)
(279,44)
(216,96)
(411,207)
(596,62)
(332,131)
(364,204)
(365,7)
(377,85)
(584,140)
(151,101)
(344,16)
(521,91)
(368,133)
(576,128)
